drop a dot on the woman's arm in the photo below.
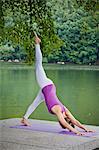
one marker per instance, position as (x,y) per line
(76,122)
(66,125)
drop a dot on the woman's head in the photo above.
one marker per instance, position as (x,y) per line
(67,120)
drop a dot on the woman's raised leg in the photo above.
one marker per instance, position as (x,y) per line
(41,77)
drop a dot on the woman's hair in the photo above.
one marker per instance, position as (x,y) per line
(67,120)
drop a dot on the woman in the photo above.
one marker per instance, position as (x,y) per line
(47,93)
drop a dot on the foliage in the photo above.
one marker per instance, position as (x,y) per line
(88,5)
(78,29)
(68,29)
(7,52)
(23,17)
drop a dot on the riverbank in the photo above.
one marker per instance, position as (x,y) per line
(19,139)
(49,66)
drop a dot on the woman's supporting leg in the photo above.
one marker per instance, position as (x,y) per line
(38,100)
(42,79)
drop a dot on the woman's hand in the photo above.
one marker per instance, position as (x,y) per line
(82,134)
(88,130)
(79,133)
(37,40)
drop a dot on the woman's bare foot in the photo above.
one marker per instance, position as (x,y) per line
(37,40)
(25,122)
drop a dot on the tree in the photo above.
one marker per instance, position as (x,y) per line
(88,5)
(78,29)
(22,18)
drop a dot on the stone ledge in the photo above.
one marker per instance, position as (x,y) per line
(22,139)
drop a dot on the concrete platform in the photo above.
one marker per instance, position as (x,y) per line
(22,139)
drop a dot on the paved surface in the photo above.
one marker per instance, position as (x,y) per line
(22,139)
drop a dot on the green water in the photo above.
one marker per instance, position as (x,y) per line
(78,89)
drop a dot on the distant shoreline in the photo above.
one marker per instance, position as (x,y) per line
(51,66)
